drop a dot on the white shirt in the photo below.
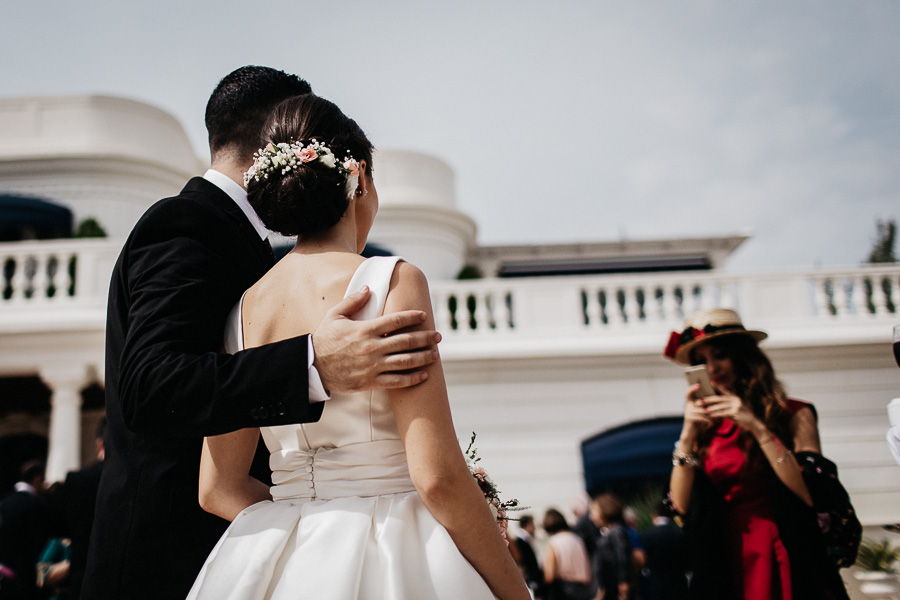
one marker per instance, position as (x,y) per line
(893,440)
(23,486)
(317,391)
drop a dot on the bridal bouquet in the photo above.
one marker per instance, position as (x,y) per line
(499,507)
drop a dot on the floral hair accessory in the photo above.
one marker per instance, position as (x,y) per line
(284,157)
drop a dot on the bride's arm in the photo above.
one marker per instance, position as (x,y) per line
(436,463)
(226,487)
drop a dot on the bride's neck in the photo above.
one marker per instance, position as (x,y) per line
(342,237)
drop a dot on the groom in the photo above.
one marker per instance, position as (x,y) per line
(185,264)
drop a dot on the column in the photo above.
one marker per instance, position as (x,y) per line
(64,452)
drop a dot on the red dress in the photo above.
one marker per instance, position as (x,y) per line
(759,560)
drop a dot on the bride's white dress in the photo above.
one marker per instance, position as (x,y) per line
(345,520)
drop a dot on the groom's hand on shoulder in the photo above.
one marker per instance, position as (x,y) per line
(383,353)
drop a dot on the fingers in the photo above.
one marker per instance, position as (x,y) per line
(350,305)
(690,397)
(396,321)
(404,342)
(410,360)
(392,381)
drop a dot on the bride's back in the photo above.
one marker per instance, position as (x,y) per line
(289,301)
(292,298)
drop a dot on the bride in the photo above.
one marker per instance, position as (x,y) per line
(375,500)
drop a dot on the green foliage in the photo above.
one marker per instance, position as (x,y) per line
(642,501)
(90,228)
(883,248)
(469,272)
(877,556)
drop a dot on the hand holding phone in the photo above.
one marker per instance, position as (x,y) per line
(698,375)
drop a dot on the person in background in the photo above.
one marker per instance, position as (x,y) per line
(53,569)
(614,568)
(665,552)
(567,569)
(752,531)
(524,544)
(24,530)
(584,527)
(80,494)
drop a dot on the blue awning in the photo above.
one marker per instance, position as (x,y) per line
(628,454)
(25,217)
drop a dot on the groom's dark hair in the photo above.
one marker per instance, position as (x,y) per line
(240,104)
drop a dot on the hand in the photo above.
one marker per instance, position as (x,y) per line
(694,414)
(352,356)
(730,406)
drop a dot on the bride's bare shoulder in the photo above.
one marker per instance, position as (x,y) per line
(408,290)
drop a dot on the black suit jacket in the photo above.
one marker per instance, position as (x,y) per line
(24,531)
(534,576)
(666,551)
(79,495)
(168,384)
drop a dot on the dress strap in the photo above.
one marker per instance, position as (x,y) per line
(375,272)
(794,406)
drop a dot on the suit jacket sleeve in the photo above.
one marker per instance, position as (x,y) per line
(173,376)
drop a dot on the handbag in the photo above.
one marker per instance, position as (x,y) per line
(840,527)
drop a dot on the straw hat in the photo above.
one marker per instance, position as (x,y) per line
(702,327)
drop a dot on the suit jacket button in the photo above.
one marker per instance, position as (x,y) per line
(259,413)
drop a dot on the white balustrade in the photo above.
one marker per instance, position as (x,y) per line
(49,275)
(55,273)
(568,305)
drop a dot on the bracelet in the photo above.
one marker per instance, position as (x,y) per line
(685,460)
(681,459)
(783,457)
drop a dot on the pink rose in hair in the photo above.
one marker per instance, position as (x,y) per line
(306,155)
(352,167)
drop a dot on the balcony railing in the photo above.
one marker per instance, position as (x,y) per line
(56,273)
(568,305)
(51,275)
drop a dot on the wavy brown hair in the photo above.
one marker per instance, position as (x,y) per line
(755,383)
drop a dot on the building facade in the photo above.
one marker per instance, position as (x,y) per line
(551,345)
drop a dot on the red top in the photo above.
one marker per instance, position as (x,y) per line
(760,562)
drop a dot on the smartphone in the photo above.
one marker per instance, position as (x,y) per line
(697,374)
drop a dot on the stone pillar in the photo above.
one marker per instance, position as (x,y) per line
(64,453)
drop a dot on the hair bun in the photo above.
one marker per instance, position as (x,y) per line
(298,182)
(307,199)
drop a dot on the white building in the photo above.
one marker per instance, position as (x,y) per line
(535,363)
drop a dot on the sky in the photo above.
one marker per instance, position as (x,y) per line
(564,122)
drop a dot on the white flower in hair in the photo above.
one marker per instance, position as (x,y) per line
(328,160)
(285,157)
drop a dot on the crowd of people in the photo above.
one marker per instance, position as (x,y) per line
(45,531)
(602,554)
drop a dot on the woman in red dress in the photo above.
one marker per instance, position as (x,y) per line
(735,478)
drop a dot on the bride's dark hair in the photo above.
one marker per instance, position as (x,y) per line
(311,197)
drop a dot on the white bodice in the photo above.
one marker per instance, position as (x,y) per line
(354,449)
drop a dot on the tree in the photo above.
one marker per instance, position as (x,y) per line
(882,252)
(883,248)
